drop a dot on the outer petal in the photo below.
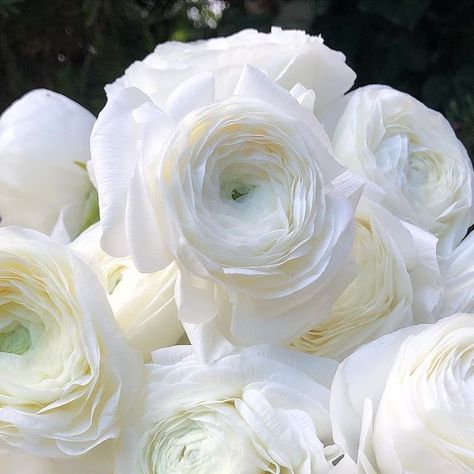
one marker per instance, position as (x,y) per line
(312,67)
(44,139)
(288,57)
(45,122)
(114,151)
(143,304)
(146,240)
(196,92)
(459,280)
(362,377)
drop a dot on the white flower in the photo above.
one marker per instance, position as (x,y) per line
(262,410)
(405,402)
(44,147)
(65,370)
(143,303)
(398,284)
(458,273)
(238,192)
(288,57)
(413,157)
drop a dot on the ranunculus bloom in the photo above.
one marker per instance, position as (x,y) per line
(405,402)
(264,409)
(398,284)
(44,147)
(412,155)
(66,373)
(286,56)
(458,275)
(238,191)
(143,303)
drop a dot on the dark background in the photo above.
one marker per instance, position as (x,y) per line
(424,47)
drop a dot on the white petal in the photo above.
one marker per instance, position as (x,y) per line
(195,298)
(114,153)
(362,376)
(146,240)
(192,94)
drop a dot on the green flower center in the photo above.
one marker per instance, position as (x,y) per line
(240,191)
(15,339)
(237,190)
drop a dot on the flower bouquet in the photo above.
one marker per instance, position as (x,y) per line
(280,281)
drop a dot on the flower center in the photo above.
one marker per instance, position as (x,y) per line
(241,191)
(15,339)
(237,190)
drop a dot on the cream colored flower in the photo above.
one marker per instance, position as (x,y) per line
(44,147)
(398,284)
(405,402)
(66,373)
(412,156)
(288,57)
(143,303)
(239,192)
(260,411)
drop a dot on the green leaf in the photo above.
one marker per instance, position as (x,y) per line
(90,213)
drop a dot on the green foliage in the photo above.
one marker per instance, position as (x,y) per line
(423,47)
(9,7)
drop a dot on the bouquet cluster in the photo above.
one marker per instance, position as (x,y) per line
(280,281)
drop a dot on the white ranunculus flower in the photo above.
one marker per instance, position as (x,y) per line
(263,410)
(143,303)
(413,157)
(238,191)
(66,372)
(287,56)
(44,147)
(398,284)
(405,402)
(458,272)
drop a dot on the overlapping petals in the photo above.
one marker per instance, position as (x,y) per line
(458,275)
(287,56)
(262,410)
(143,303)
(44,147)
(412,155)
(398,284)
(240,192)
(405,403)
(66,374)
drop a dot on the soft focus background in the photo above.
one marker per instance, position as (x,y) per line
(424,47)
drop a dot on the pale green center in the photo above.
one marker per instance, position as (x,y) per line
(241,191)
(114,276)
(15,339)
(237,189)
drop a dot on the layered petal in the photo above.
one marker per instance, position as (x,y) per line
(288,57)
(44,148)
(241,193)
(143,303)
(67,374)
(398,284)
(404,403)
(458,274)
(260,410)
(411,156)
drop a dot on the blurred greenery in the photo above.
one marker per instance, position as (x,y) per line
(423,47)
